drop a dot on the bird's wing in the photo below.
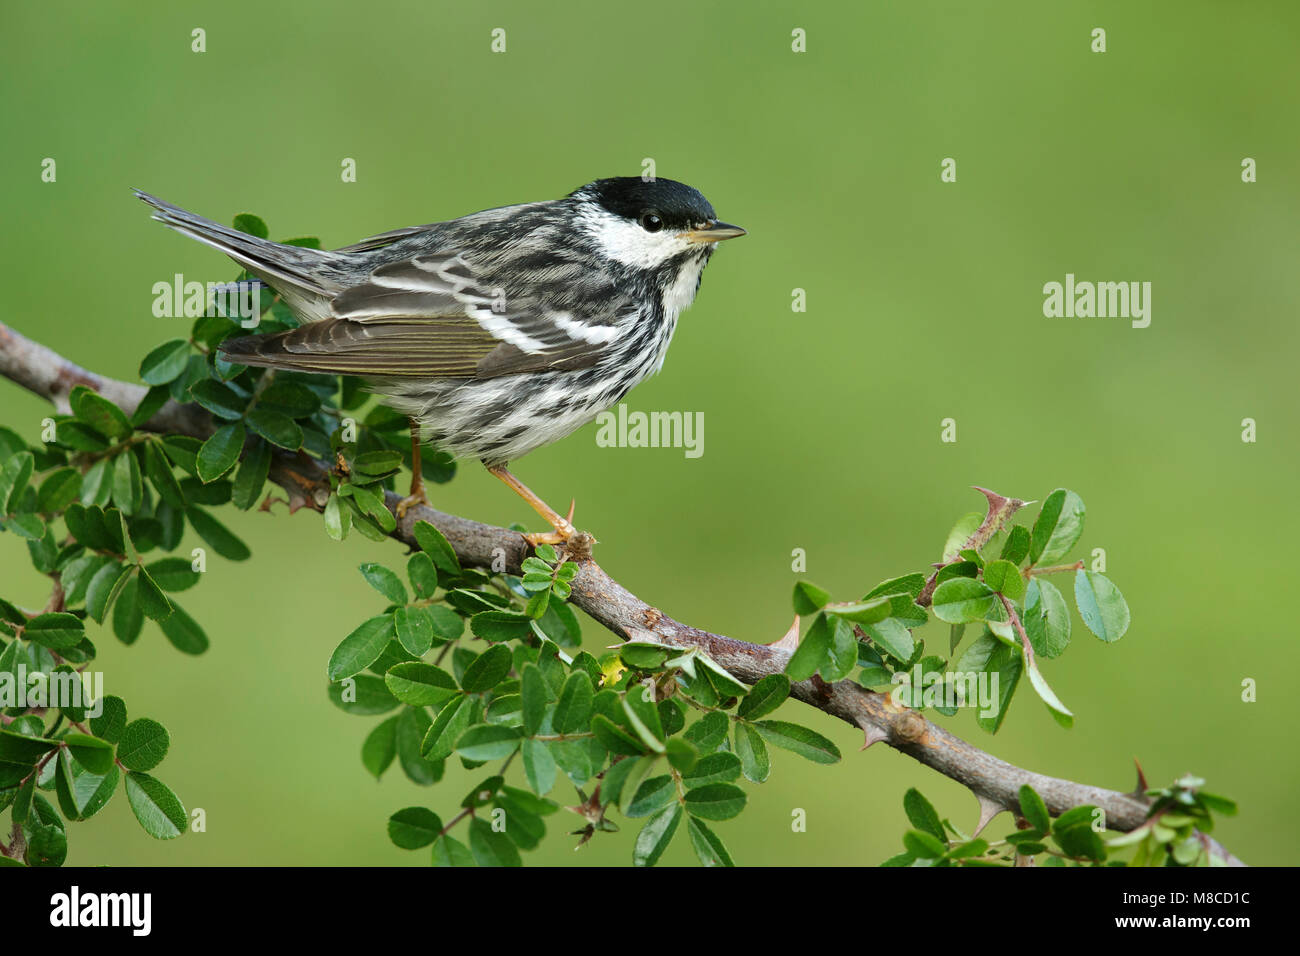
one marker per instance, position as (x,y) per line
(431,317)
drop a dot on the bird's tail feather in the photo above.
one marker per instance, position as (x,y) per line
(298,273)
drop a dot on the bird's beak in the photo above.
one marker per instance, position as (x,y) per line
(713,231)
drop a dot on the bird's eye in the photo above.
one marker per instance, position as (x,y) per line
(651,222)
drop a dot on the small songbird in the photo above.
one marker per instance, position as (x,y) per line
(495,333)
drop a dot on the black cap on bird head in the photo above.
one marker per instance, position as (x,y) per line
(678,205)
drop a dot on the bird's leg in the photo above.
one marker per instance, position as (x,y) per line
(564,529)
(417,495)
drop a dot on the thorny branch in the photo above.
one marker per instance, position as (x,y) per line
(994,782)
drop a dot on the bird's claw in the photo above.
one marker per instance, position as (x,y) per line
(416,497)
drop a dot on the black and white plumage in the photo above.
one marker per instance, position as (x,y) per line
(501,331)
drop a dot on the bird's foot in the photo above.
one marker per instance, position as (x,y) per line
(575,545)
(416,497)
(564,529)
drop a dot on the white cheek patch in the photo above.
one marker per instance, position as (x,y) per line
(628,244)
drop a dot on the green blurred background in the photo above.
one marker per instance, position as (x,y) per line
(822,428)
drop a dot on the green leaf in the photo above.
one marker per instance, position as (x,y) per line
(92,753)
(448,851)
(715,801)
(152,601)
(966,526)
(11,443)
(615,738)
(574,708)
(1034,810)
(452,721)
(863,612)
(1058,527)
(644,724)
(656,835)
(487,670)
(159,811)
(532,687)
(720,767)
(766,696)
(809,598)
(893,637)
(1016,547)
(922,814)
(165,363)
(104,588)
(73,434)
(500,625)
(708,846)
(252,474)
(990,656)
(56,630)
(924,845)
(813,651)
(297,401)
(414,827)
(99,413)
(1059,711)
(364,695)
(436,546)
(909,584)
(380,747)
(221,400)
(755,763)
(447,624)
(414,628)
(962,600)
(1004,577)
(708,732)
(23,750)
(252,225)
(338,518)
(843,654)
(218,537)
(422,574)
(173,574)
(419,684)
(14,476)
(220,452)
(153,400)
(58,490)
(489,847)
(651,795)
(800,740)
(1047,619)
(361,648)
(488,742)
(385,581)
(144,744)
(276,428)
(82,793)
(128,619)
(722,681)
(159,470)
(184,632)
(1102,607)
(539,766)
(111,722)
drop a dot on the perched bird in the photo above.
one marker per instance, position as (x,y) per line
(495,333)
